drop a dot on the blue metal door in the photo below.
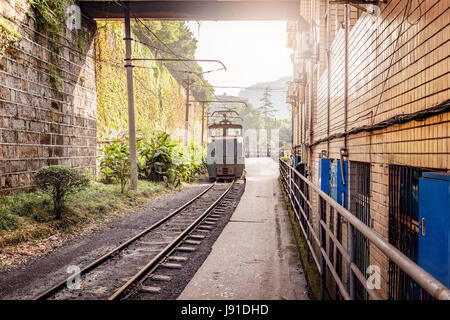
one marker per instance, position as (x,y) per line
(338,187)
(434,221)
(296,161)
(342,185)
(324,175)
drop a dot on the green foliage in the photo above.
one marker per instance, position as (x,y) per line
(193,162)
(162,159)
(8,221)
(60,181)
(115,163)
(36,205)
(251,115)
(55,79)
(32,211)
(49,16)
(254,119)
(9,35)
(285,125)
(158,96)
(157,160)
(178,42)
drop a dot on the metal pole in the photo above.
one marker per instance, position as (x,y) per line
(299,120)
(351,253)
(328,73)
(323,266)
(131,116)
(350,232)
(346,13)
(203,120)
(292,127)
(186,133)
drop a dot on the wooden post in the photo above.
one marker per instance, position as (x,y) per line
(131,116)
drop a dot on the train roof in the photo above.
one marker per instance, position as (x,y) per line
(225,125)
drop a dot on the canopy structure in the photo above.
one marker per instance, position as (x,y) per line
(195,10)
(199,10)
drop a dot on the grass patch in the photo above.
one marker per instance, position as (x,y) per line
(311,273)
(28,216)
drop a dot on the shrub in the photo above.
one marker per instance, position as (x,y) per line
(162,159)
(157,160)
(60,181)
(192,162)
(115,163)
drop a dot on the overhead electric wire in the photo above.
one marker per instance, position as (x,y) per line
(93,57)
(170,49)
(391,61)
(249,88)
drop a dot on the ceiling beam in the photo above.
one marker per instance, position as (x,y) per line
(195,10)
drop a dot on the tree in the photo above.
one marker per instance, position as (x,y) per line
(267,110)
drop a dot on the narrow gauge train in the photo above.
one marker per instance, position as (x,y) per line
(225,159)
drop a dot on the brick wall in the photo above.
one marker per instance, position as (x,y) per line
(396,67)
(40,125)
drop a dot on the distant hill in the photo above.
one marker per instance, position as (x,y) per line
(278,96)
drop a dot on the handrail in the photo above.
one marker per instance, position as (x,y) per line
(422,277)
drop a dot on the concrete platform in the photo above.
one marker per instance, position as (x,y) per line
(255,257)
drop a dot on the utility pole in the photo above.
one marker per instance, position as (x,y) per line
(188,83)
(130,89)
(203,121)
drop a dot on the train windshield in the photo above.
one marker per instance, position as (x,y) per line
(215,132)
(234,132)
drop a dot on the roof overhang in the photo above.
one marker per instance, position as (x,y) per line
(195,10)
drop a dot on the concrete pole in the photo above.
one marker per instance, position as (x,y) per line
(203,121)
(131,117)
(186,130)
(292,127)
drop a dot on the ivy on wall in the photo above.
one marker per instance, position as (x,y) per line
(9,36)
(159,103)
(50,16)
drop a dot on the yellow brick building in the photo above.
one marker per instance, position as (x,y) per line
(377,91)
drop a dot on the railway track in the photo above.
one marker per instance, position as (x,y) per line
(121,271)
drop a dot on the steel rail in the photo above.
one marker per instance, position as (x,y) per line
(151,266)
(422,277)
(106,256)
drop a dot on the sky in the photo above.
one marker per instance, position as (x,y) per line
(252,51)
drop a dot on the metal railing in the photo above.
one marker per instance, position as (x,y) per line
(296,186)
